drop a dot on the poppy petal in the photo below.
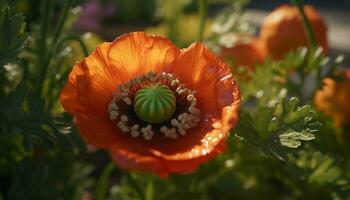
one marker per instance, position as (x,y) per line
(90,86)
(138,53)
(212,79)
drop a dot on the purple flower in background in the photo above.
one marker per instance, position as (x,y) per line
(93,13)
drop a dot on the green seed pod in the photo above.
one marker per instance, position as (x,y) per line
(155,104)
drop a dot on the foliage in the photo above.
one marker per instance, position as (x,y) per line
(12,34)
(23,112)
(284,124)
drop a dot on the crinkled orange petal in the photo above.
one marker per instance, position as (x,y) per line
(97,130)
(219,100)
(135,158)
(91,83)
(138,53)
(204,72)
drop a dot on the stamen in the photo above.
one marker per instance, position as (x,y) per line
(147,132)
(174,82)
(127,100)
(191,97)
(187,115)
(124,118)
(174,122)
(193,110)
(113,115)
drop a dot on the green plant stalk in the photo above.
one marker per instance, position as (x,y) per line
(73,38)
(53,96)
(203,11)
(47,58)
(41,45)
(306,23)
(101,188)
(59,29)
(173,26)
(133,183)
(310,36)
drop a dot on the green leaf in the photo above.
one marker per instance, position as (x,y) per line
(52,175)
(319,170)
(12,105)
(12,34)
(272,128)
(149,194)
(24,110)
(293,139)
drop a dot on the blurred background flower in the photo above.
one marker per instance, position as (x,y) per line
(93,15)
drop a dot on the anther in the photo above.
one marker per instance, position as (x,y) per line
(135,127)
(135,133)
(172,133)
(112,106)
(190,97)
(170,76)
(147,132)
(127,100)
(193,110)
(113,115)
(174,122)
(182,91)
(124,118)
(180,87)
(123,127)
(174,82)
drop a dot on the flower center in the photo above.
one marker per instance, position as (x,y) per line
(155,103)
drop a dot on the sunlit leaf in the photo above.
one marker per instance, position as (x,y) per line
(273,127)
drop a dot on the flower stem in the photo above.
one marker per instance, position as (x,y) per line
(307,26)
(203,11)
(46,59)
(59,28)
(44,23)
(133,183)
(73,38)
(311,38)
(102,184)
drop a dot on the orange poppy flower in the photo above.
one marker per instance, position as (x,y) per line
(154,107)
(333,99)
(282,30)
(245,54)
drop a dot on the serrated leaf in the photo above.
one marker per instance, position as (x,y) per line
(293,139)
(263,120)
(12,105)
(24,110)
(320,170)
(12,34)
(283,125)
